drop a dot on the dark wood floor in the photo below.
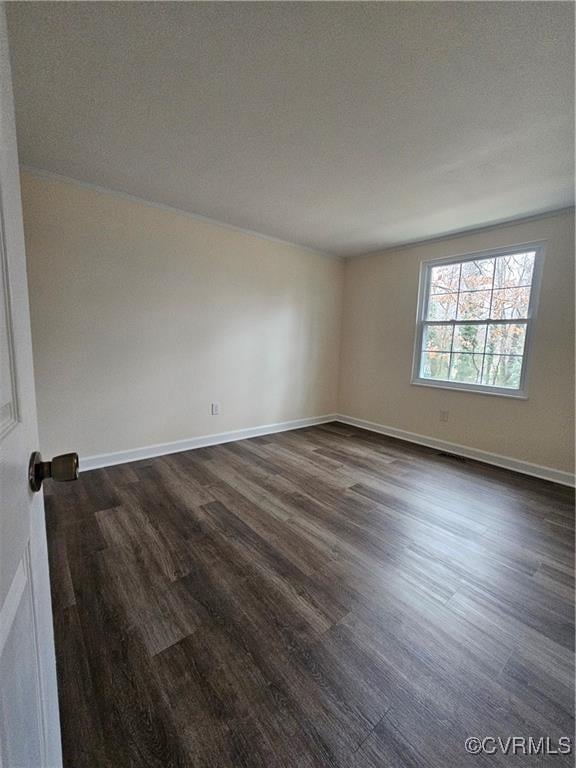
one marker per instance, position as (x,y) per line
(325,597)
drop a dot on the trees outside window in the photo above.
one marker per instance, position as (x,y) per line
(474,320)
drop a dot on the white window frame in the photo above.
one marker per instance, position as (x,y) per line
(423,296)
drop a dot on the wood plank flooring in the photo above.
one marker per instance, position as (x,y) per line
(326,597)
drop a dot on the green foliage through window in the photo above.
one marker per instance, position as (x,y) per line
(476,314)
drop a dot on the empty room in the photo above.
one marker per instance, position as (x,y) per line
(287,384)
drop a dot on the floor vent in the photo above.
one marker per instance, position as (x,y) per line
(452,456)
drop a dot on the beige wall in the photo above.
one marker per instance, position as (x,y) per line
(141,317)
(378,338)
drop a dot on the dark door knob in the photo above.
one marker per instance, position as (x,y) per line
(62,468)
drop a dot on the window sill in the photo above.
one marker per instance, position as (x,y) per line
(477,390)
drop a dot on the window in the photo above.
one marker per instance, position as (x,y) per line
(474,320)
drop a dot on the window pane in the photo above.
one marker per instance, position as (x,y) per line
(476,320)
(502,371)
(434,365)
(442,306)
(466,368)
(510,303)
(469,338)
(437,338)
(444,279)
(477,275)
(474,305)
(513,270)
(506,339)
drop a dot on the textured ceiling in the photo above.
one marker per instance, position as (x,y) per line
(345,127)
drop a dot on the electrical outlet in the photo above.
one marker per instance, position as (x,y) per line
(444,416)
(215,409)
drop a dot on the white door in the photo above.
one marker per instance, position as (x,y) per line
(29,724)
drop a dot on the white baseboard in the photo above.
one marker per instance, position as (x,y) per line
(161,449)
(506,462)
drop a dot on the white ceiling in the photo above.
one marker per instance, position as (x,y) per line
(346,127)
